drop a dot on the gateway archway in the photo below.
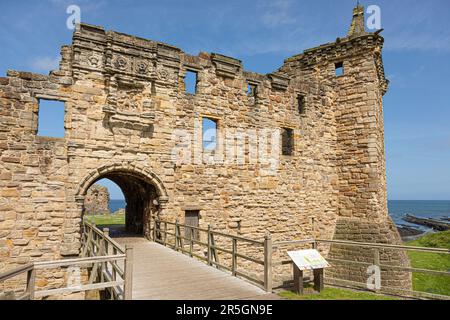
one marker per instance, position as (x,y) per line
(144,194)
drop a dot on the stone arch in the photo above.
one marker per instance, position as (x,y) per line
(144,192)
(129,168)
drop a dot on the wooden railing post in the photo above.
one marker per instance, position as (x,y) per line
(128,276)
(165,233)
(268,248)
(209,245)
(234,257)
(191,244)
(31,279)
(213,249)
(176,235)
(105,241)
(105,250)
(88,240)
(154,228)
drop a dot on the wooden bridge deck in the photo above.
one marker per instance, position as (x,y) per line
(160,273)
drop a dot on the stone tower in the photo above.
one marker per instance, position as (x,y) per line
(352,70)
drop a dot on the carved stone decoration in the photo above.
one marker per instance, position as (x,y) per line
(163,74)
(121,63)
(124,109)
(141,68)
(94,61)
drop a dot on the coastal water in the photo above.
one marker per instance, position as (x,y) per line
(115,205)
(397,209)
(420,208)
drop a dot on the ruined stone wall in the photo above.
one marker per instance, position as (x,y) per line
(97,200)
(125,101)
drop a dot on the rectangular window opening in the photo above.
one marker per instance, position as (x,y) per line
(51,118)
(301,100)
(209,134)
(339,68)
(251,90)
(287,141)
(191,219)
(190,81)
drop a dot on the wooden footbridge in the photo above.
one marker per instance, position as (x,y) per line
(139,269)
(161,273)
(178,265)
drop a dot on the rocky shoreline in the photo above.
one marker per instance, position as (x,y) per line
(425,225)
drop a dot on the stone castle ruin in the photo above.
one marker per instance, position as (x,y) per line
(96,201)
(125,97)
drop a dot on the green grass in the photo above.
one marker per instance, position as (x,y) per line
(106,220)
(330,293)
(431,261)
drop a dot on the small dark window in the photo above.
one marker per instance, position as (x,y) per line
(190,82)
(51,119)
(209,134)
(301,100)
(287,141)
(251,90)
(191,219)
(339,68)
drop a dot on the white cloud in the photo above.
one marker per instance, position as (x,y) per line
(278,12)
(45,64)
(418,26)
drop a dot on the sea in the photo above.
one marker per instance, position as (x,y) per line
(397,209)
(419,208)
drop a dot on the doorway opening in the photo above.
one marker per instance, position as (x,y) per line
(132,201)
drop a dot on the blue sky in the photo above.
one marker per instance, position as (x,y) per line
(262,34)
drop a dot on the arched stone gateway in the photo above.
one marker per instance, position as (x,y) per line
(144,192)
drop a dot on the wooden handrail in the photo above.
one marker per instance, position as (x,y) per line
(77,261)
(362,244)
(385,246)
(105,236)
(96,246)
(15,272)
(231,236)
(160,233)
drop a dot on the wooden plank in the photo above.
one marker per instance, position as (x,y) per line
(31,279)
(318,279)
(77,261)
(15,272)
(384,246)
(298,280)
(162,273)
(234,257)
(268,263)
(227,235)
(94,286)
(128,284)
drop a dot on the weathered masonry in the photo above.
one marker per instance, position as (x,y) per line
(124,97)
